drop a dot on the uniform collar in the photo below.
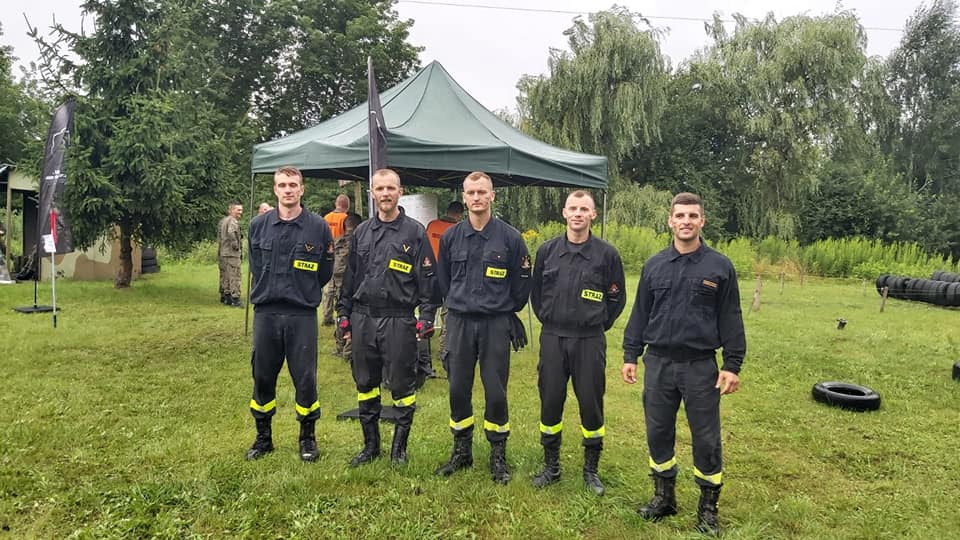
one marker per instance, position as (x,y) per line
(274,217)
(395,224)
(585,250)
(694,256)
(485,232)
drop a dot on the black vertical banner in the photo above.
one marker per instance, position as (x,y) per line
(377,128)
(53,180)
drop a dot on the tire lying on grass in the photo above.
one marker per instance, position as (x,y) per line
(847,395)
(956,371)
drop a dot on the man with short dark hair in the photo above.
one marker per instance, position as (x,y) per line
(577,294)
(484,274)
(687,307)
(390,273)
(230,241)
(291,259)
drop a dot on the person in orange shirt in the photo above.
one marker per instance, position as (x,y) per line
(335,220)
(435,230)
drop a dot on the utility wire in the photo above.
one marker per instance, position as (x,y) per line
(568,12)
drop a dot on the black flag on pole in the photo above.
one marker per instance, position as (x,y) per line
(53,180)
(377,128)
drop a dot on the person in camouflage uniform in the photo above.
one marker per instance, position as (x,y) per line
(341,250)
(229,240)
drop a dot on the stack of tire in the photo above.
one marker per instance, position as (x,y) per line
(940,275)
(931,291)
(148,261)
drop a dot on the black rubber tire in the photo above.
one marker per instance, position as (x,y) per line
(846,395)
(953,294)
(929,291)
(940,293)
(956,371)
(881,283)
(936,275)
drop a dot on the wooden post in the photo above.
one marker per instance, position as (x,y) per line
(801,276)
(883,298)
(781,281)
(358,198)
(756,295)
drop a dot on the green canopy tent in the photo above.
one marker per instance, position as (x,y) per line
(436,133)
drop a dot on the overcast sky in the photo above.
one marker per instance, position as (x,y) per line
(487,45)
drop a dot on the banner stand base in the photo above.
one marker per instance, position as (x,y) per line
(388,413)
(34,309)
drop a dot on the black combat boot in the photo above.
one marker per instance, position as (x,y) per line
(263,444)
(234,301)
(398,451)
(707,520)
(462,455)
(223,299)
(499,470)
(591,459)
(371,444)
(664,501)
(551,468)
(308,442)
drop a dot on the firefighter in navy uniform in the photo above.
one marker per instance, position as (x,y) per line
(687,307)
(291,259)
(390,272)
(484,274)
(577,294)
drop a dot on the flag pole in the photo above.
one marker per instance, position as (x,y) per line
(53,265)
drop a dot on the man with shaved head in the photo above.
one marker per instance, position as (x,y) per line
(577,294)
(484,274)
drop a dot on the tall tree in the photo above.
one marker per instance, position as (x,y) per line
(21,113)
(173,94)
(320,69)
(603,96)
(754,117)
(924,84)
(150,153)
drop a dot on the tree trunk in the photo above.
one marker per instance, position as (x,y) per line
(125,272)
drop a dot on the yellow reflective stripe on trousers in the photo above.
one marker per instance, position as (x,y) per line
(715,479)
(303,411)
(263,408)
(365,396)
(490,426)
(665,466)
(405,402)
(551,430)
(595,434)
(462,424)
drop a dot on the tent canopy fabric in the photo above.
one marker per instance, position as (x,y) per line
(436,134)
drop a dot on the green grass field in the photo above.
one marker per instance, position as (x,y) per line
(130,420)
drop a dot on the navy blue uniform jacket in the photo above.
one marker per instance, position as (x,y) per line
(687,307)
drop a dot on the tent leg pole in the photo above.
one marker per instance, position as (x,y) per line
(246,315)
(603,222)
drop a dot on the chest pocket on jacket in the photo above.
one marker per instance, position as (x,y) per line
(458,265)
(495,266)
(261,253)
(704,292)
(307,256)
(660,292)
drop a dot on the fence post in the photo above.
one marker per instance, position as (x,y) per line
(781,281)
(883,298)
(756,295)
